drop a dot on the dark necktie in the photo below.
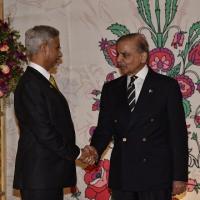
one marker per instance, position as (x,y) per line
(53,82)
(131,93)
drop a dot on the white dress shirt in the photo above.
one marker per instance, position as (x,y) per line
(40,69)
(139,81)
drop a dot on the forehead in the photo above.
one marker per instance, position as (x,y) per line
(54,41)
(127,44)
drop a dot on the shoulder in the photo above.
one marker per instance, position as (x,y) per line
(116,82)
(161,79)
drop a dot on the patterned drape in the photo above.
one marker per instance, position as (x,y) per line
(89,30)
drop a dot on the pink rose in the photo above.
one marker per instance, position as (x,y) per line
(5,69)
(4,47)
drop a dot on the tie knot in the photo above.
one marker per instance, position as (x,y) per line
(52,81)
(133,78)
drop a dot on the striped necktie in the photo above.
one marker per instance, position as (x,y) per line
(131,93)
(53,82)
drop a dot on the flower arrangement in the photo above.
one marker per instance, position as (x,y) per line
(12,57)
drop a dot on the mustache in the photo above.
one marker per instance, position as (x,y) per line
(121,65)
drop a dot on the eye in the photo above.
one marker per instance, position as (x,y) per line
(125,55)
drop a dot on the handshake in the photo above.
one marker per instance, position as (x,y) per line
(89,155)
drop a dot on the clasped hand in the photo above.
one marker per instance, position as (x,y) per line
(89,155)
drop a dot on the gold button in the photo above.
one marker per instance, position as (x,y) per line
(124,139)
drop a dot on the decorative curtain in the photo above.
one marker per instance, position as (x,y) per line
(89,30)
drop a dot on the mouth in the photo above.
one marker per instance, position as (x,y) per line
(121,65)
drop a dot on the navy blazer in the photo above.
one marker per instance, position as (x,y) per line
(150,144)
(46,149)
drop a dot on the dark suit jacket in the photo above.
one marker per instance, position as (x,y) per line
(155,151)
(46,149)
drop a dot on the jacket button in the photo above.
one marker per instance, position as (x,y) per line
(144,160)
(144,139)
(152,120)
(124,139)
(115,120)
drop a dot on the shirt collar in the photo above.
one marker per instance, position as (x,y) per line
(40,69)
(142,73)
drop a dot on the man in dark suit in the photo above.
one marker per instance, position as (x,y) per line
(45,161)
(142,112)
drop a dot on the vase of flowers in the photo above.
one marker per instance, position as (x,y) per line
(12,58)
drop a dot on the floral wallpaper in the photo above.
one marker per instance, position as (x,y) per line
(89,30)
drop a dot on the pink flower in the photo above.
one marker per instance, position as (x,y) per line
(95,105)
(178,39)
(92,129)
(197,120)
(110,76)
(186,85)
(5,69)
(161,59)
(4,47)
(198,86)
(191,184)
(109,50)
(194,55)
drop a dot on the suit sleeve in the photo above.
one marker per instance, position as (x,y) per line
(38,119)
(103,132)
(178,133)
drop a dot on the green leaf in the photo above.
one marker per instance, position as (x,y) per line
(118,29)
(157,11)
(141,10)
(153,37)
(194,28)
(174,10)
(187,107)
(174,71)
(195,36)
(168,5)
(148,14)
(165,37)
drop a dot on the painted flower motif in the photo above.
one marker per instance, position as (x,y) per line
(91,131)
(96,105)
(186,85)
(178,39)
(198,86)
(5,69)
(109,50)
(96,92)
(1,93)
(4,47)
(191,184)
(110,76)
(197,120)
(194,55)
(161,59)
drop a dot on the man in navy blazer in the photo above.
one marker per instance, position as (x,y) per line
(45,161)
(150,154)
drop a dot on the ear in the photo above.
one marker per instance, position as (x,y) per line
(44,48)
(144,57)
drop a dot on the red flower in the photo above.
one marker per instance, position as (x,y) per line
(197,120)
(178,39)
(191,184)
(161,59)
(194,55)
(186,85)
(109,51)
(110,76)
(95,105)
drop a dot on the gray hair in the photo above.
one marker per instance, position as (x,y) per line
(38,35)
